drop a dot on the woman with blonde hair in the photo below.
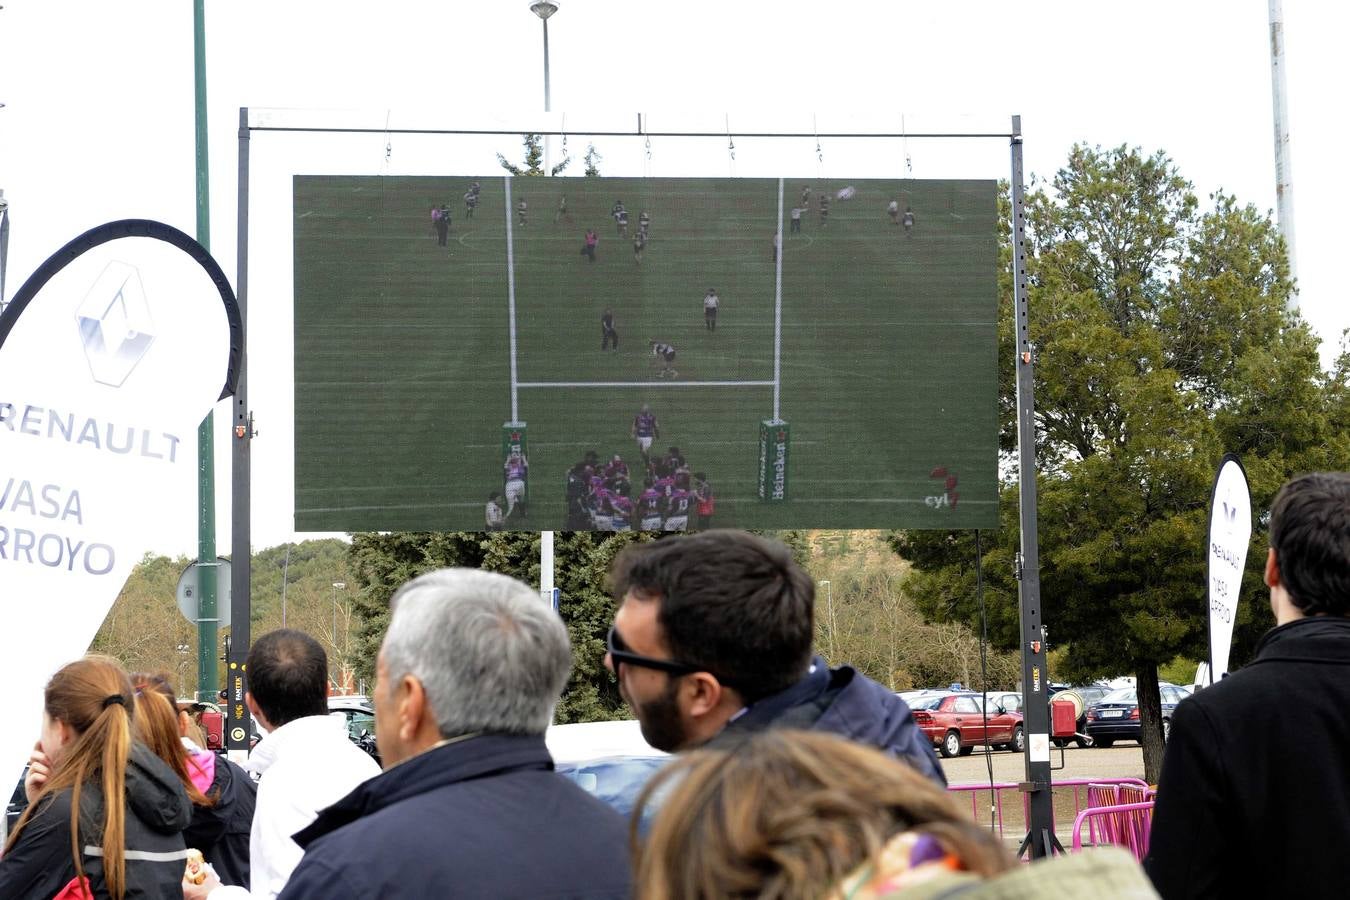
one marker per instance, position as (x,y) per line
(223,795)
(105,816)
(795,814)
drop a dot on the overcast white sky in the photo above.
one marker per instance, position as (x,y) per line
(98,122)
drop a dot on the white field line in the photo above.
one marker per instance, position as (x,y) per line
(329,509)
(516,384)
(778,306)
(641,384)
(730,501)
(538,444)
(511,299)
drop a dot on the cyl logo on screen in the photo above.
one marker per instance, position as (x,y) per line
(115,324)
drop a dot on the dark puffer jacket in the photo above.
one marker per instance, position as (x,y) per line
(221,831)
(845,702)
(157,811)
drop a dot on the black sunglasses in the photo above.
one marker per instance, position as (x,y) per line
(619,652)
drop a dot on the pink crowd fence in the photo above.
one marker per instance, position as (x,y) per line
(1090,796)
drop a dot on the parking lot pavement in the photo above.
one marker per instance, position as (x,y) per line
(1120,761)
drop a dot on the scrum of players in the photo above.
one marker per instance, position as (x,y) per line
(602,495)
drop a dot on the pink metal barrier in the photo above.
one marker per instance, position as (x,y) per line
(1087,793)
(1123,824)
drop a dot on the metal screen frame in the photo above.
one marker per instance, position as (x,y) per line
(1040,839)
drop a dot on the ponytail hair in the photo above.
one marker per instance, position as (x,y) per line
(162,682)
(157,728)
(92,696)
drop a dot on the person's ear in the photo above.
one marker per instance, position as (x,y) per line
(703,693)
(1272,569)
(256,711)
(411,700)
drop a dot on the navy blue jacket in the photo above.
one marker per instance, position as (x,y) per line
(482,817)
(841,701)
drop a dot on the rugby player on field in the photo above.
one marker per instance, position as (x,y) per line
(514,472)
(710,303)
(666,354)
(645,429)
(621,515)
(677,516)
(651,502)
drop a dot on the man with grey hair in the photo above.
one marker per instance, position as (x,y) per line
(468,805)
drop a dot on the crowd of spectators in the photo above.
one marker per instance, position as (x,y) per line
(790,779)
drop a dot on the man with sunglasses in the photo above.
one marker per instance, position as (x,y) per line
(712,642)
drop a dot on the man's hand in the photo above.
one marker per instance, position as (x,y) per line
(201,891)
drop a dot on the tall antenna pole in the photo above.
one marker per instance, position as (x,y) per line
(1284,167)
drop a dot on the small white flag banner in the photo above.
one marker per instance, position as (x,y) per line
(1230,529)
(111,355)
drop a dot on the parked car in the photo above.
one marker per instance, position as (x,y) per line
(1115,717)
(1011,701)
(358,714)
(955,723)
(609,760)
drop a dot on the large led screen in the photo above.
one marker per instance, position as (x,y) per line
(603,353)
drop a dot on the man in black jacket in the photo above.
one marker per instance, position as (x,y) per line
(468,805)
(712,642)
(1255,787)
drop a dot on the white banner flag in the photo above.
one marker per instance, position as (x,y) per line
(110,357)
(1230,529)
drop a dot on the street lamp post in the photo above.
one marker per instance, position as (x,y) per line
(544,9)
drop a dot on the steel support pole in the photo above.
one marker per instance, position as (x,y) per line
(1040,837)
(546,537)
(207,617)
(241,569)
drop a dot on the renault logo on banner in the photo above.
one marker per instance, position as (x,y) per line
(115,324)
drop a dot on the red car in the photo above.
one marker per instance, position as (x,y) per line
(955,725)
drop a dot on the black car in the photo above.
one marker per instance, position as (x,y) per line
(1116,716)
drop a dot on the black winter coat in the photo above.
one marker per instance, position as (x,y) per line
(157,811)
(844,702)
(482,817)
(221,831)
(1254,798)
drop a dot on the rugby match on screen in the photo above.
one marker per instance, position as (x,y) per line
(530,353)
